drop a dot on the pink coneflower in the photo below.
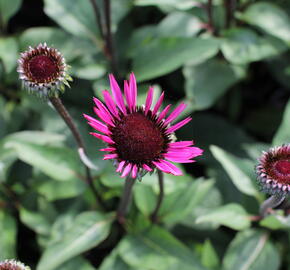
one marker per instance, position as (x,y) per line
(12,265)
(140,139)
(43,70)
(273,170)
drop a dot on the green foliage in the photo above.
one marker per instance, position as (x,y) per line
(228,63)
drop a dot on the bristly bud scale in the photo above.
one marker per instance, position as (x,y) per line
(13,265)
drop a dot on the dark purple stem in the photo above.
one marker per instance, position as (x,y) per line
(125,199)
(62,111)
(154,216)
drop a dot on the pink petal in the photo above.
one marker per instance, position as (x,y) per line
(133,90)
(97,124)
(110,103)
(173,169)
(120,166)
(179,125)
(163,113)
(104,116)
(147,168)
(134,171)
(177,111)
(128,96)
(149,100)
(127,170)
(108,149)
(117,94)
(110,156)
(181,144)
(181,160)
(181,155)
(104,111)
(161,166)
(102,137)
(158,103)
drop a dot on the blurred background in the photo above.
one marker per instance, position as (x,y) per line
(227,59)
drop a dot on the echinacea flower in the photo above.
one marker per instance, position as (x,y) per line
(140,139)
(273,170)
(43,71)
(12,265)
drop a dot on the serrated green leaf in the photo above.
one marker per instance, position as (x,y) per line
(209,258)
(8,9)
(251,250)
(230,215)
(201,91)
(60,163)
(239,178)
(163,55)
(77,18)
(269,17)
(87,231)
(8,53)
(157,249)
(242,46)
(283,133)
(8,231)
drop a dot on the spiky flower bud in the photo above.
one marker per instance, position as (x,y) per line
(43,71)
(273,170)
(13,265)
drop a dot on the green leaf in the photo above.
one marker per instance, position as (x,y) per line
(114,262)
(8,231)
(8,9)
(60,163)
(76,263)
(201,91)
(173,4)
(283,133)
(251,250)
(269,17)
(157,249)
(276,221)
(69,45)
(8,53)
(178,205)
(242,46)
(56,190)
(179,24)
(232,166)
(77,18)
(209,258)
(163,55)
(230,215)
(145,199)
(35,220)
(88,230)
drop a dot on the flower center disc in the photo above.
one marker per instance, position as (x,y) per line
(283,167)
(42,68)
(138,139)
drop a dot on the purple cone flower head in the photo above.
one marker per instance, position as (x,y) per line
(12,265)
(140,139)
(43,71)
(273,170)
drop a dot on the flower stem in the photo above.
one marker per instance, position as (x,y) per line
(229,9)
(98,17)
(109,37)
(154,216)
(125,200)
(210,16)
(270,203)
(62,111)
